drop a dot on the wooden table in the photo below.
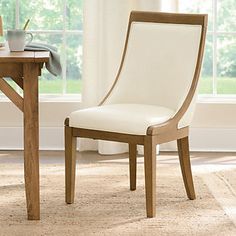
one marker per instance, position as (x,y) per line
(24,68)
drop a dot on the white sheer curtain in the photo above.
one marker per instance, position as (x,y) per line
(105,26)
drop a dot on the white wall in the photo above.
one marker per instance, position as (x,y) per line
(52,116)
(213,127)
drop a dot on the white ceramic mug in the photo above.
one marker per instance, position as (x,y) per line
(17,40)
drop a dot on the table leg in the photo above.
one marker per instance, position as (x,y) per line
(31,140)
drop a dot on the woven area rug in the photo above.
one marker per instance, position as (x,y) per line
(105,206)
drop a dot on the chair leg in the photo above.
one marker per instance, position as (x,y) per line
(184,158)
(150,175)
(132,165)
(70,164)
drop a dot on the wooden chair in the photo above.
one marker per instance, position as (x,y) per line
(152,99)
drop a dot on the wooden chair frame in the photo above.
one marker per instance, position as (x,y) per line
(156,134)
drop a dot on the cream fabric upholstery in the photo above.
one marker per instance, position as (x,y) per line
(154,81)
(159,65)
(120,118)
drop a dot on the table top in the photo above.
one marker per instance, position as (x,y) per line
(26,56)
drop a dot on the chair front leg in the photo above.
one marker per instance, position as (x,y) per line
(150,175)
(70,164)
(184,158)
(132,165)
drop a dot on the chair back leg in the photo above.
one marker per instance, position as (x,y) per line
(150,175)
(184,158)
(132,165)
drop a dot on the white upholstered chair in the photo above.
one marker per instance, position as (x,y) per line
(152,99)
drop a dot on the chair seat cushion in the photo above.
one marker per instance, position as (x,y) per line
(120,118)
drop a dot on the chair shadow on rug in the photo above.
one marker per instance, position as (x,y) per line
(152,99)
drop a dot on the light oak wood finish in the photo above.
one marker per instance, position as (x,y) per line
(110,136)
(18,81)
(7,71)
(24,68)
(70,164)
(26,56)
(31,140)
(11,94)
(156,134)
(132,165)
(184,158)
(150,175)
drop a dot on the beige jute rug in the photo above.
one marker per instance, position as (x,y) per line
(105,206)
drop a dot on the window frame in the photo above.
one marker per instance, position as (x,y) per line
(215,33)
(64,33)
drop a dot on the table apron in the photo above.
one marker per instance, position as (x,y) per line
(11,70)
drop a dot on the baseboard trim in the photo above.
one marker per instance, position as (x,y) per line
(208,140)
(52,138)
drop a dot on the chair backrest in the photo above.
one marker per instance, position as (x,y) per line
(161,60)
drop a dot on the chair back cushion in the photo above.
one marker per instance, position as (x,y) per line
(159,64)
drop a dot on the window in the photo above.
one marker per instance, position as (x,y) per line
(219,67)
(55,22)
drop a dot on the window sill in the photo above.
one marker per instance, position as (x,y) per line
(60,98)
(76,98)
(216,99)
(44,98)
